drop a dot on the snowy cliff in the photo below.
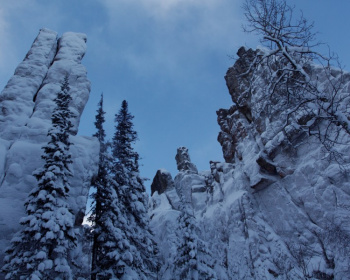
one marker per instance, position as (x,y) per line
(278,207)
(26,104)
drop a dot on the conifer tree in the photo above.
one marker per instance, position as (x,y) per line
(193,260)
(41,249)
(100,196)
(125,158)
(106,215)
(139,254)
(112,246)
(186,258)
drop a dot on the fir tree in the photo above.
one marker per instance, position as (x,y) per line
(107,216)
(138,257)
(123,244)
(193,260)
(112,246)
(125,158)
(41,249)
(100,197)
(186,258)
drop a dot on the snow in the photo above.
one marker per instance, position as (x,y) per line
(25,118)
(286,227)
(278,231)
(19,92)
(164,171)
(41,255)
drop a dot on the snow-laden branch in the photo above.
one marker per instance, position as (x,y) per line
(291,75)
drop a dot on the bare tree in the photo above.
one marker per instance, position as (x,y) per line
(312,96)
(302,254)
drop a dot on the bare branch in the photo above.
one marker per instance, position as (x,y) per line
(289,61)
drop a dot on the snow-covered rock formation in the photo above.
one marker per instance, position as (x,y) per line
(279,206)
(26,104)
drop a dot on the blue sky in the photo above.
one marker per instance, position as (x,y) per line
(167,58)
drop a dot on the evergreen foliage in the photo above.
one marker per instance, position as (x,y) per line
(123,244)
(193,260)
(125,159)
(186,258)
(41,249)
(100,182)
(132,195)
(101,196)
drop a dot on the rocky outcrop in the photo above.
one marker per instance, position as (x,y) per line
(278,207)
(183,161)
(187,192)
(26,104)
(162,182)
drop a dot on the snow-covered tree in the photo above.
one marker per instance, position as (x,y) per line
(41,249)
(313,96)
(112,245)
(133,197)
(186,258)
(125,164)
(100,181)
(107,215)
(193,260)
(101,198)
(125,247)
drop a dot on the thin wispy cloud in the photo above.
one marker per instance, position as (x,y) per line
(171,33)
(161,9)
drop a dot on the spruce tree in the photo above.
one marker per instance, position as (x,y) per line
(186,258)
(41,249)
(125,158)
(100,196)
(106,215)
(139,254)
(193,260)
(112,245)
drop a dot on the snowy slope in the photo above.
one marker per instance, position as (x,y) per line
(26,104)
(277,208)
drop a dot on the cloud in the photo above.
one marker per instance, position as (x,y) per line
(171,35)
(159,8)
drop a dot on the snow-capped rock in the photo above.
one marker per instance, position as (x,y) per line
(279,206)
(26,105)
(162,182)
(183,161)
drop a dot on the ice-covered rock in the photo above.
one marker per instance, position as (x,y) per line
(26,105)
(279,206)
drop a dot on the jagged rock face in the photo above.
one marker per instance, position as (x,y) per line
(276,208)
(26,105)
(183,161)
(231,121)
(286,179)
(188,192)
(162,182)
